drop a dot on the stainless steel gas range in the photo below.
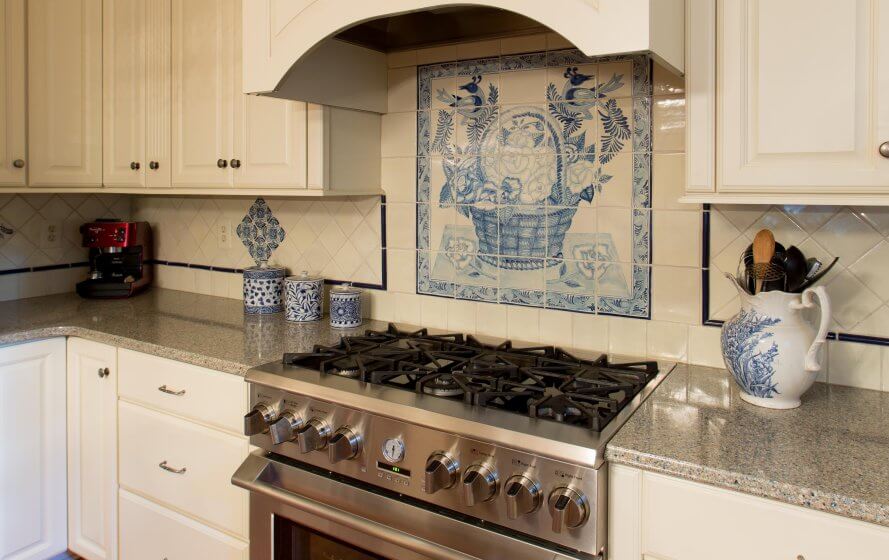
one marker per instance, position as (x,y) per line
(414,445)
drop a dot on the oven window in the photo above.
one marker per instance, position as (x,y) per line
(295,542)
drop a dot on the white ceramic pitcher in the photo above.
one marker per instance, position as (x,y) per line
(770,349)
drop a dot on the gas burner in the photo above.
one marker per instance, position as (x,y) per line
(543,382)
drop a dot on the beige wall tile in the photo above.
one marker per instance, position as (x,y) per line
(676,294)
(402,89)
(523,44)
(462,315)
(627,336)
(431,55)
(855,365)
(491,319)
(667,341)
(434,312)
(678,238)
(399,179)
(668,123)
(704,347)
(555,327)
(589,332)
(399,135)
(523,323)
(668,182)
(401,58)
(478,49)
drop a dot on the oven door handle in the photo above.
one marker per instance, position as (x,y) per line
(249,476)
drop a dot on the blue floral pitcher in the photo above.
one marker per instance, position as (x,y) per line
(771,350)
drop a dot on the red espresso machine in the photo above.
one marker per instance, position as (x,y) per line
(119,256)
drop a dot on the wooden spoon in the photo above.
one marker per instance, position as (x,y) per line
(763,251)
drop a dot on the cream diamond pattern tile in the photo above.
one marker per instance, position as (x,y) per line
(786,231)
(17,212)
(742,215)
(851,301)
(367,205)
(366,240)
(348,259)
(56,210)
(873,270)
(303,235)
(317,217)
(810,218)
(332,237)
(17,249)
(847,236)
(348,217)
(91,209)
(878,217)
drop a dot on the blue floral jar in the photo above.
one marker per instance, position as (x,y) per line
(262,289)
(302,298)
(345,307)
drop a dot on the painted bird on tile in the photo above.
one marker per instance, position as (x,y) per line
(465,104)
(586,97)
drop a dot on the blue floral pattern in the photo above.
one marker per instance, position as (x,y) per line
(303,299)
(751,365)
(260,231)
(345,310)
(262,290)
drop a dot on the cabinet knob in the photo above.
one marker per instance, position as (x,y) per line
(221,163)
(153,165)
(104,372)
(18,164)
(134,165)
(884,149)
(236,163)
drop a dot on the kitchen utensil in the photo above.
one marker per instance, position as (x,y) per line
(817,276)
(794,269)
(302,298)
(345,307)
(813,265)
(746,262)
(737,282)
(763,251)
(262,289)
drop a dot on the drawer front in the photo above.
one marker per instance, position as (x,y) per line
(149,531)
(198,463)
(211,397)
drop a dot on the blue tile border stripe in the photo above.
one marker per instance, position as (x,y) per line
(43,268)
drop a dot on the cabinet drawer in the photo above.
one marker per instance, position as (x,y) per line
(209,458)
(211,397)
(149,532)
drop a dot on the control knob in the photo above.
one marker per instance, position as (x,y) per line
(286,427)
(344,444)
(479,484)
(256,421)
(314,436)
(568,508)
(440,473)
(523,496)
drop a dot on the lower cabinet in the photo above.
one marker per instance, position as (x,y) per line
(149,531)
(657,517)
(32,465)
(92,449)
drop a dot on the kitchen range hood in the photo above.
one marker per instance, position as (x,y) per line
(333,52)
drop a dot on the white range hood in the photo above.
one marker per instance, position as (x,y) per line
(334,51)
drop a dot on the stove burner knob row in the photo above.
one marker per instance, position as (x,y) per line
(441,472)
(568,508)
(286,427)
(523,496)
(314,436)
(257,420)
(344,444)
(480,484)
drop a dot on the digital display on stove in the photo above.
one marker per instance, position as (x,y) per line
(393,469)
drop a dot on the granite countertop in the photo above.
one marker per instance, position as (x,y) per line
(830,454)
(207,331)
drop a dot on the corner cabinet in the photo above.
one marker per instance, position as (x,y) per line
(788,102)
(92,449)
(32,465)
(657,517)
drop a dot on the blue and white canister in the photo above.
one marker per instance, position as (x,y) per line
(302,298)
(345,307)
(262,289)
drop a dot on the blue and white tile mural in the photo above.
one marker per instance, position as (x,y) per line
(521,162)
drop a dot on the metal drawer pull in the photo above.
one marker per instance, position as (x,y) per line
(163,465)
(104,372)
(167,390)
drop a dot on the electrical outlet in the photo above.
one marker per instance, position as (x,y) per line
(224,235)
(51,236)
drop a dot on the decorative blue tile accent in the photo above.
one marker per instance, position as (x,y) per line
(260,231)
(516,176)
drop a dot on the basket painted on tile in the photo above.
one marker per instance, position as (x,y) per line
(522,240)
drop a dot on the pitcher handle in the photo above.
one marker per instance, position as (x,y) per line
(806,301)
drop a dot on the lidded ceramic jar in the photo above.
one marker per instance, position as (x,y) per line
(262,289)
(303,297)
(345,306)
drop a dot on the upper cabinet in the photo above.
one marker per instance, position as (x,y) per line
(788,101)
(65,93)
(290,47)
(12,92)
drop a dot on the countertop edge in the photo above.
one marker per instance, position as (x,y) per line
(192,358)
(783,492)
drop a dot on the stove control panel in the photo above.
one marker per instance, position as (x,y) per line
(524,492)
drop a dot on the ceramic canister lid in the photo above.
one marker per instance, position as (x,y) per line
(304,276)
(346,289)
(265,271)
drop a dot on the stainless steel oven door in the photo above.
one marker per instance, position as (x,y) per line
(320,517)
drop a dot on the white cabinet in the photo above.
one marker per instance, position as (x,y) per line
(658,517)
(65,93)
(788,101)
(12,92)
(92,449)
(32,465)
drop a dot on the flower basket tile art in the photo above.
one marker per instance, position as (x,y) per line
(514,155)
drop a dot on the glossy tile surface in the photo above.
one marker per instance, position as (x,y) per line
(829,454)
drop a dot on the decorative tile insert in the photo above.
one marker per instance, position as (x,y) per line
(260,231)
(517,156)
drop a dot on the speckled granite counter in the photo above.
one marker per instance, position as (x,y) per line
(831,454)
(206,331)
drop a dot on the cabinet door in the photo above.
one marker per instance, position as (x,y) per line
(92,449)
(803,90)
(271,143)
(203,110)
(32,466)
(65,93)
(12,92)
(158,92)
(124,34)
